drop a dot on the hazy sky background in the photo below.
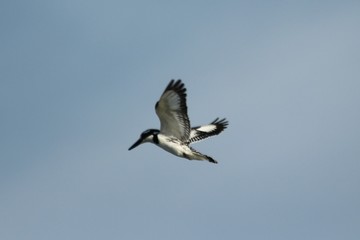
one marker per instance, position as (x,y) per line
(78,84)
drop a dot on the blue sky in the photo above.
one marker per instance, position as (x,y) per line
(79,80)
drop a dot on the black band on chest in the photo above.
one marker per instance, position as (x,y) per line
(156,139)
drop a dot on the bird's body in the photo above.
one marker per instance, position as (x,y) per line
(175,134)
(174,146)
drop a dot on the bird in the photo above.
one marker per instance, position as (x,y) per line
(175,134)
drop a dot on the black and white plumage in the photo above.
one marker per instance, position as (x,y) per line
(201,132)
(175,134)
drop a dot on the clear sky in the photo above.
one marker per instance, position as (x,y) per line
(78,84)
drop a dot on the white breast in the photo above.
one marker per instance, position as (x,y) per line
(173,145)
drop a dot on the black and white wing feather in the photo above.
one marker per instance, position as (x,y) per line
(211,129)
(172,111)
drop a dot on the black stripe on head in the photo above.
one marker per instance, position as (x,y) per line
(151,132)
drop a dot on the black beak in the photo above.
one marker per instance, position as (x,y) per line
(137,143)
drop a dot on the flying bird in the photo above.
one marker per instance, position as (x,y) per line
(175,134)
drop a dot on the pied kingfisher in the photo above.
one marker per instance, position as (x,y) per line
(175,134)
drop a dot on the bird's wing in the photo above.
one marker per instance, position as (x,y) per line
(211,129)
(172,111)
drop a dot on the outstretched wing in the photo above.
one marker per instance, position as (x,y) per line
(172,111)
(202,132)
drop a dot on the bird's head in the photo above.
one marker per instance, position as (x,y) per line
(146,136)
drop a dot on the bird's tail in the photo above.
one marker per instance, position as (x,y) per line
(210,159)
(200,156)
